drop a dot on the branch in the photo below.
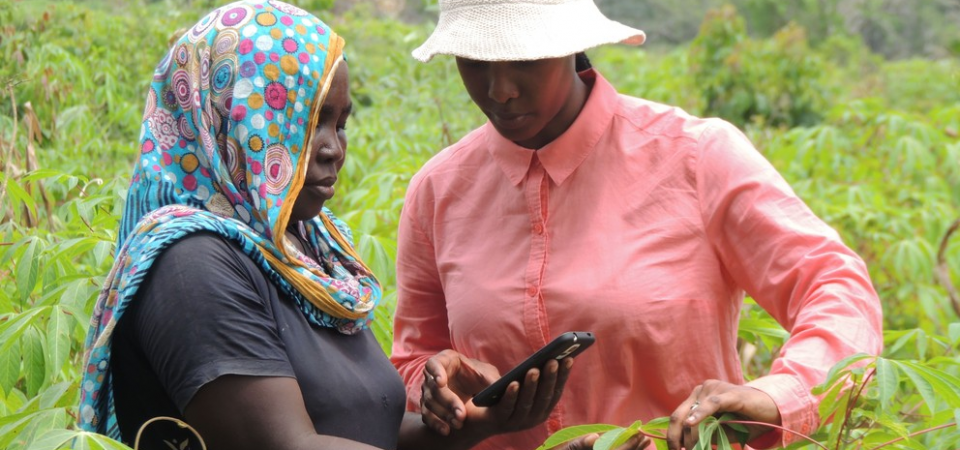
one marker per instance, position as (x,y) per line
(938,427)
(943,271)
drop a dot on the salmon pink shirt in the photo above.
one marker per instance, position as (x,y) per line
(643,225)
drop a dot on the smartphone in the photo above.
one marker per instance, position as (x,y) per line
(567,344)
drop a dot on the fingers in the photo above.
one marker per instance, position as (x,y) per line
(583,442)
(545,396)
(715,397)
(526,396)
(563,372)
(441,407)
(636,442)
(678,420)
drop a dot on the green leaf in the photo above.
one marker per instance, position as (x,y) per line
(12,329)
(946,387)
(612,439)
(28,268)
(40,423)
(53,396)
(58,343)
(53,439)
(33,367)
(953,332)
(9,367)
(571,433)
(888,381)
(839,369)
(18,194)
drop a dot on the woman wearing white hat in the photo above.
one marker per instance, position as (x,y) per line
(578,208)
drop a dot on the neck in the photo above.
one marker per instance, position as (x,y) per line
(579,93)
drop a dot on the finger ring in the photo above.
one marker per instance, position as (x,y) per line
(694,406)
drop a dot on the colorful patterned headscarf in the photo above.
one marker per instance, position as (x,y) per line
(223,148)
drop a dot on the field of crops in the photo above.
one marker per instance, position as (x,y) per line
(873,146)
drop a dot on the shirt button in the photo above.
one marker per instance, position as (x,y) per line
(538,228)
(553,424)
(531,291)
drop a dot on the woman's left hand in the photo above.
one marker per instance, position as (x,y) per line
(717,397)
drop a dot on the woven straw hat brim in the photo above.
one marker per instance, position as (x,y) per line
(517,30)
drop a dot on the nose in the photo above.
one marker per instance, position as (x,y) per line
(329,149)
(501,86)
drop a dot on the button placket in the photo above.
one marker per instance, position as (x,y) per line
(535,321)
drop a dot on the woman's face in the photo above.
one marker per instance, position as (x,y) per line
(328,148)
(529,102)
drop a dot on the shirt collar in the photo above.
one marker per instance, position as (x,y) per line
(562,156)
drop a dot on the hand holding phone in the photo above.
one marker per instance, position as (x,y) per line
(568,344)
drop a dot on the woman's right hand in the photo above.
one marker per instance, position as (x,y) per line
(450,380)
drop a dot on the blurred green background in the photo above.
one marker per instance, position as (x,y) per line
(856,102)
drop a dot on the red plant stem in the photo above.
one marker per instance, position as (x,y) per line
(781,428)
(852,404)
(938,427)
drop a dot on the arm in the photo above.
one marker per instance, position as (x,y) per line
(420,321)
(242,412)
(795,267)
(215,348)
(422,344)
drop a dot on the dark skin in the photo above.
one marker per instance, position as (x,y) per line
(529,102)
(253,413)
(532,103)
(450,379)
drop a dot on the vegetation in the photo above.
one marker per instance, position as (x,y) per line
(872,145)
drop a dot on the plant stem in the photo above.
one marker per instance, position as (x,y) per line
(853,402)
(938,427)
(779,427)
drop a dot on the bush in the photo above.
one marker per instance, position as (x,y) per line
(777,81)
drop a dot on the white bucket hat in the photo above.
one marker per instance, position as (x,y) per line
(519,30)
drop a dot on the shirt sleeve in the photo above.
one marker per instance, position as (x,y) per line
(793,264)
(203,312)
(421,327)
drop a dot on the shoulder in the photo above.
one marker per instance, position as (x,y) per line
(204,251)
(668,121)
(451,159)
(202,264)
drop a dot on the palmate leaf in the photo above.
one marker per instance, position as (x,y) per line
(53,439)
(39,424)
(570,433)
(76,440)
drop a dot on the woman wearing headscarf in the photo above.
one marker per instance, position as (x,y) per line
(237,304)
(576,208)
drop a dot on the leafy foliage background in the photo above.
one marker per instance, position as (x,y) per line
(872,145)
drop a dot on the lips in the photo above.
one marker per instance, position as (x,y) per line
(323,187)
(510,121)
